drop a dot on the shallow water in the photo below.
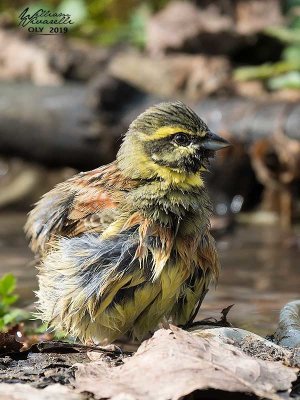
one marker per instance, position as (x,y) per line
(260,272)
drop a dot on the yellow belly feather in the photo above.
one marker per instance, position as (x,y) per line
(146,308)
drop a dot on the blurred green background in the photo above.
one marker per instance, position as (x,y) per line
(113,22)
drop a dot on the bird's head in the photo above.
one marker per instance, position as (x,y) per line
(168,141)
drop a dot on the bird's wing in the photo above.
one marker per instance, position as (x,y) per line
(87,202)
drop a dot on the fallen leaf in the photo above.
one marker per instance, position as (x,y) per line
(175,363)
(21,391)
(59,347)
(8,344)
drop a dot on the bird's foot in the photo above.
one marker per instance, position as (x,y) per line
(105,348)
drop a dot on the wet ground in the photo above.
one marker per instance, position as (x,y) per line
(260,272)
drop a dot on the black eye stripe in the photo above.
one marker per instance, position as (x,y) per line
(182,139)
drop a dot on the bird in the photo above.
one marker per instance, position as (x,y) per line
(127,246)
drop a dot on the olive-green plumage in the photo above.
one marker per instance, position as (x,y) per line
(127,245)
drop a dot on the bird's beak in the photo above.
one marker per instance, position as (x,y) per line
(214,142)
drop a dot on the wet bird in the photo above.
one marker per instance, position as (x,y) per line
(127,245)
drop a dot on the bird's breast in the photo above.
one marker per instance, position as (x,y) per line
(177,247)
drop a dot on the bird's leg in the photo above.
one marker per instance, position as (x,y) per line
(104,346)
(164,323)
(195,312)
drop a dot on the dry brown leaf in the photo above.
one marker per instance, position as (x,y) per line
(8,344)
(21,391)
(181,23)
(255,15)
(192,76)
(175,363)
(23,60)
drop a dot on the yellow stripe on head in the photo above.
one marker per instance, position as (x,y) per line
(166,131)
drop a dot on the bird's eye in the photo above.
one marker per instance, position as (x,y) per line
(182,139)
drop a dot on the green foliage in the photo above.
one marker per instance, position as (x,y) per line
(106,22)
(9,315)
(284,73)
(265,71)
(285,35)
(290,5)
(7,288)
(109,22)
(77,8)
(289,80)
